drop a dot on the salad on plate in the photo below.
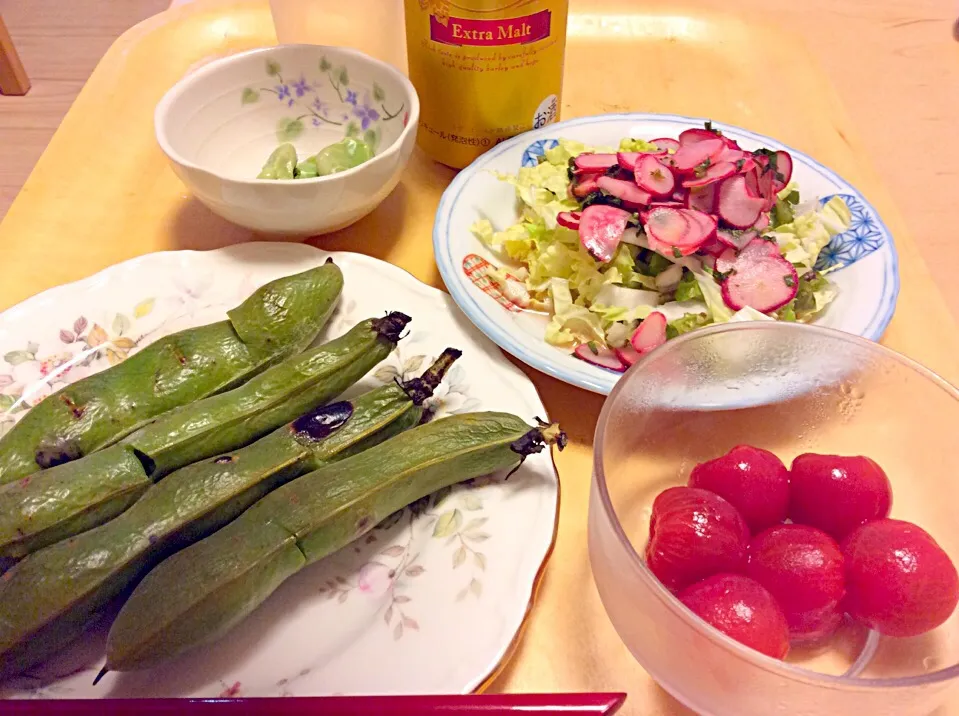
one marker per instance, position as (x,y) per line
(625,248)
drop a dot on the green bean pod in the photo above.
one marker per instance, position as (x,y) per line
(280,319)
(51,505)
(49,598)
(201,592)
(54,504)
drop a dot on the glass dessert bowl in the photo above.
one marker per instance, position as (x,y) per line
(789,389)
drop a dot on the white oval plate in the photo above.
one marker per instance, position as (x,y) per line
(428,604)
(868,285)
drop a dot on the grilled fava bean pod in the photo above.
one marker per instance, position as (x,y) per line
(280,319)
(51,505)
(201,592)
(49,598)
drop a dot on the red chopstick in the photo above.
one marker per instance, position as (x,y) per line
(487,705)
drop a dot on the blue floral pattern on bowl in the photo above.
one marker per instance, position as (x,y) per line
(536,150)
(360,115)
(863,236)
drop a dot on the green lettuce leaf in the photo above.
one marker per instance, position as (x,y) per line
(813,294)
(689,322)
(515,243)
(749,314)
(569,148)
(801,240)
(688,288)
(570,324)
(618,333)
(631,144)
(624,261)
(719,312)
(612,314)
(543,191)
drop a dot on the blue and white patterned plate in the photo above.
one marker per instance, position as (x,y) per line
(868,281)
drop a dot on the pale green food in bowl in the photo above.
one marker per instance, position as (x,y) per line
(337,157)
(221,122)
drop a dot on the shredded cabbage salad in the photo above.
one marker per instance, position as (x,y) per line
(601,303)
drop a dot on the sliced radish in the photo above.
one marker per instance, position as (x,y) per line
(702,198)
(705,223)
(653,176)
(784,167)
(667,226)
(752,182)
(736,239)
(756,248)
(690,156)
(736,207)
(627,160)
(747,236)
(731,143)
(696,135)
(594,162)
(762,223)
(569,219)
(762,181)
(767,187)
(760,280)
(665,144)
(677,232)
(650,334)
(680,195)
(627,354)
(584,187)
(601,356)
(762,247)
(714,173)
(670,251)
(600,229)
(625,190)
(666,205)
(727,238)
(726,260)
(730,154)
(712,248)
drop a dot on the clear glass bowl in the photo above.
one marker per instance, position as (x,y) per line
(790,389)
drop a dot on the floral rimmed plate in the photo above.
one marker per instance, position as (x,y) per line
(429,602)
(868,282)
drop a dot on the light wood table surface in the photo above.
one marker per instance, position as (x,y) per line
(866,105)
(60,43)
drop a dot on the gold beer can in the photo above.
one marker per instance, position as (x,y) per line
(485,70)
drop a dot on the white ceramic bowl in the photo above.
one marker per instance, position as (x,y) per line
(219,124)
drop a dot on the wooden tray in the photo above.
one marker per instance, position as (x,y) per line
(102,192)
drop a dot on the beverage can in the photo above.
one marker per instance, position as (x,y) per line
(485,70)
